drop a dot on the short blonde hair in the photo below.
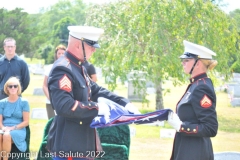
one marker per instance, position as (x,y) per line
(8,39)
(209,63)
(14,80)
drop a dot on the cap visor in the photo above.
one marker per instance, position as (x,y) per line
(187,56)
(96,45)
(184,57)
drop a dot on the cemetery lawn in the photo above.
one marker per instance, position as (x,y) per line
(147,144)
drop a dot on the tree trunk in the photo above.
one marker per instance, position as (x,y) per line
(159,96)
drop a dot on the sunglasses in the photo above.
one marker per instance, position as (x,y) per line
(12,86)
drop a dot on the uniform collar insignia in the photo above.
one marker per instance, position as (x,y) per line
(194,79)
(72,58)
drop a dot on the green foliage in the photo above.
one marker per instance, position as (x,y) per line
(60,31)
(64,8)
(236,67)
(236,16)
(46,53)
(53,22)
(17,24)
(147,35)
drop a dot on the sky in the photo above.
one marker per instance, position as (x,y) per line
(33,6)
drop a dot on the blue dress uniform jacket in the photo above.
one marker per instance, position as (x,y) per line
(74,96)
(196,109)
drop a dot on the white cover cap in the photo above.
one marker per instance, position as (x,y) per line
(195,49)
(86,32)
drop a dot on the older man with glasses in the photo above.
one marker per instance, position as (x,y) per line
(74,96)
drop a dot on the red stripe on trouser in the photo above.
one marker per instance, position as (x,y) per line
(69,158)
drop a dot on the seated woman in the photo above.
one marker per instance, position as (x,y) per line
(14,117)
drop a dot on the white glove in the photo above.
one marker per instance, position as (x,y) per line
(132,109)
(174,120)
(103,109)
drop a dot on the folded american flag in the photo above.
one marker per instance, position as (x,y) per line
(119,116)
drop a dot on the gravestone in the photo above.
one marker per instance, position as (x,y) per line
(38,92)
(227,156)
(132,131)
(235,96)
(135,94)
(236,77)
(136,80)
(39,113)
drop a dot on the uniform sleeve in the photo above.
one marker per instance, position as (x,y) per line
(25,76)
(60,86)
(204,106)
(98,91)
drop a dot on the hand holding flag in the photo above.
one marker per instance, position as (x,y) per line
(119,115)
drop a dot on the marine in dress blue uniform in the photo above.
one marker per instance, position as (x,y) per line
(74,97)
(196,118)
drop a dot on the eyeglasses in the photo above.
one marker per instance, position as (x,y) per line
(10,46)
(12,86)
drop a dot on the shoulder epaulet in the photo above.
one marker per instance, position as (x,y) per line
(201,81)
(63,61)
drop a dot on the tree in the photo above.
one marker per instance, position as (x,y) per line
(64,8)
(236,16)
(236,67)
(53,22)
(17,24)
(60,31)
(147,36)
(43,53)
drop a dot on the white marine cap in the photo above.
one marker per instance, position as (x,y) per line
(88,34)
(193,50)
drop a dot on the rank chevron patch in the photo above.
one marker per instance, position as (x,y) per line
(206,102)
(65,84)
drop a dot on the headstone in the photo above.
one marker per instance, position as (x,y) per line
(227,156)
(39,113)
(132,131)
(38,92)
(167,133)
(235,96)
(236,77)
(230,87)
(134,93)
(151,90)
(38,69)
(136,85)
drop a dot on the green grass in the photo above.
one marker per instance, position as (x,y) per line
(147,144)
